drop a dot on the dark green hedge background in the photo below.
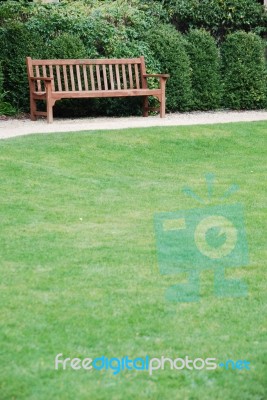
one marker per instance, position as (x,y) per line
(213,53)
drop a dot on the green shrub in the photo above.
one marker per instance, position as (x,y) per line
(219,17)
(66,46)
(17,43)
(14,11)
(169,49)
(244,71)
(5,107)
(205,65)
(1,82)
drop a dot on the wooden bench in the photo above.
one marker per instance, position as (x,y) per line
(53,80)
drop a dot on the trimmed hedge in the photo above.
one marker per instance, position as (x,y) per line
(243,71)
(66,45)
(205,65)
(17,43)
(219,17)
(5,107)
(169,49)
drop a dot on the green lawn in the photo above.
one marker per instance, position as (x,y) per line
(79,271)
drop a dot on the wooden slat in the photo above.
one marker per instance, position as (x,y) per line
(136,76)
(72,78)
(44,74)
(118,79)
(51,74)
(44,70)
(105,77)
(79,77)
(101,61)
(98,77)
(111,77)
(29,66)
(39,87)
(107,93)
(143,71)
(85,78)
(130,75)
(92,77)
(124,76)
(41,113)
(58,78)
(66,84)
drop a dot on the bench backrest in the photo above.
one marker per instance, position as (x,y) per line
(89,74)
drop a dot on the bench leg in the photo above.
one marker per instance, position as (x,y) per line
(162,106)
(49,114)
(50,102)
(33,109)
(145,107)
(49,110)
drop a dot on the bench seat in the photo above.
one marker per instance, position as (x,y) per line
(100,93)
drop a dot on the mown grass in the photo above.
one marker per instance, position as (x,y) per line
(79,272)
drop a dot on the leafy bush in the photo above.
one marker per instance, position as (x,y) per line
(205,65)
(14,11)
(17,43)
(169,49)
(219,17)
(66,46)
(244,71)
(1,82)
(5,107)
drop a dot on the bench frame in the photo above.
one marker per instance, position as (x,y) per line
(42,85)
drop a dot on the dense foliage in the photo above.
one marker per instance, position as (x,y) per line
(219,17)
(5,107)
(169,49)
(244,71)
(120,28)
(205,65)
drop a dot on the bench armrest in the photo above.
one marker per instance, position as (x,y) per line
(47,82)
(156,76)
(162,79)
(42,78)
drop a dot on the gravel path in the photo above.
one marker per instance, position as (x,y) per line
(18,127)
